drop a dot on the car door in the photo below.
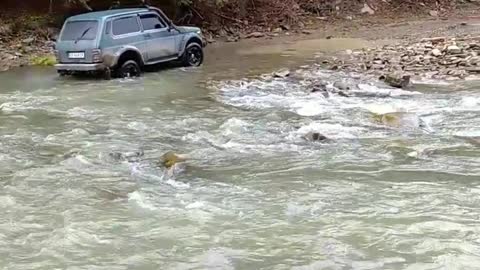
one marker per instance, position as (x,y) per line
(159,39)
(125,31)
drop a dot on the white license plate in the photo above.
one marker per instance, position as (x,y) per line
(76,55)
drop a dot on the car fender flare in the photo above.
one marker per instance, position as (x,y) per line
(186,39)
(111,60)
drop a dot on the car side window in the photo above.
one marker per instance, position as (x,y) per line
(124,26)
(151,21)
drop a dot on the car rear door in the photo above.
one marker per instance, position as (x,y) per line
(126,31)
(160,40)
(77,41)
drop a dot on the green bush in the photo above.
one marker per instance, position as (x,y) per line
(48,60)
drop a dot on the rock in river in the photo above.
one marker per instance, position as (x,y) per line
(402,120)
(315,137)
(341,85)
(397,80)
(282,73)
(169,159)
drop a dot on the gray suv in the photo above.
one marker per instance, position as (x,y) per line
(120,42)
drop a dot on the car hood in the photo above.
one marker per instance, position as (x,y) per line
(188,29)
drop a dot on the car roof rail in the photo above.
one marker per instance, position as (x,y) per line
(162,14)
(128,6)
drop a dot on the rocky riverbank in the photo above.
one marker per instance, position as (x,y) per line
(434,58)
(26,42)
(26,52)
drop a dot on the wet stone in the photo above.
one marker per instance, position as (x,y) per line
(170,159)
(397,80)
(315,137)
(341,85)
(281,73)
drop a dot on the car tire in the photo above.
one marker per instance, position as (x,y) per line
(107,74)
(128,69)
(62,73)
(193,55)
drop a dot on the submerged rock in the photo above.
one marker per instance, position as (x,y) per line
(128,156)
(401,120)
(320,87)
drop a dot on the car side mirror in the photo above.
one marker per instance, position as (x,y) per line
(158,26)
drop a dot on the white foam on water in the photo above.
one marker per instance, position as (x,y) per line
(234,126)
(23,117)
(79,112)
(140,126)
(214,259)
(310,108)
(470,102)
(21,102)
(368,89)
(382,108)
(61,137)
(141,201)
(336,131)
(177,184)
(469,133)
(7,201)
(147,109)
(195,205)
(430,81)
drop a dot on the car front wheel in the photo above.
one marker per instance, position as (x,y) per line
(129,69)
(193,55)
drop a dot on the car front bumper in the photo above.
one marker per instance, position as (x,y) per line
(80,67)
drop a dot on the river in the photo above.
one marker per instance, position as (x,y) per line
(255,195)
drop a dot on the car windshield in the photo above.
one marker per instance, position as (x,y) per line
(80,30)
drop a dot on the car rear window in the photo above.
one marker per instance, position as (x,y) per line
(125,26)
(80,30)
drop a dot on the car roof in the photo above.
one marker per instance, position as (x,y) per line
(106,13)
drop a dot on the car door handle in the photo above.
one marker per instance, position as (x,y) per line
(147,35)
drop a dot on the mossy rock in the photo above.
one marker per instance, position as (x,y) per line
(398,119)
(45,61)
(169,159)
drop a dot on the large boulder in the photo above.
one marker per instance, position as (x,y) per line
(397,80)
